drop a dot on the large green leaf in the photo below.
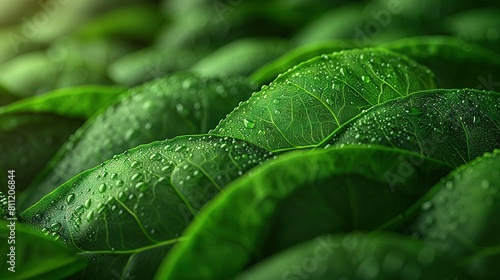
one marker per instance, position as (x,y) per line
(28,141)
(461,218)
(307,103)
(270,71)
(127,213)
(453,126)
(35,256)
(294,198)
(164,108)
(369,256)
(77,102)
(240,57)
(456,63)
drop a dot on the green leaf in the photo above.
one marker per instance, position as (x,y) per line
(164,108)
(127,213)
(36,256)
(357,255)
(77,102)
(461,218)
(271,70)
(28,141)
(240,57)
(447,56)
(453,126)
(303,106)
(294,198)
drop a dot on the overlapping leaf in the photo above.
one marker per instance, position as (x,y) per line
(453,126)
(28,141)
(294,198)
(363,256)
(164,108)
(302,107)
(455,62)
(461,217)
(127,213)
(76,102)
(35,256)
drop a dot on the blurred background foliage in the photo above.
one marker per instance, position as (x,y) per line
(49,44)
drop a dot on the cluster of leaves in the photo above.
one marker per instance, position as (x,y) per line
(372,157)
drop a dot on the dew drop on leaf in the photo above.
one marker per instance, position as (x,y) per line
(56,235)
(248,123)
(90,215)
(88,202)
(137,177)
(55,226)
(121,196)
(102,188)
(142,186)
(79,210)
(70,198)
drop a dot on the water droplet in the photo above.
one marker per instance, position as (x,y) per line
(142,186)
(155,157)
(70,198)
(55,226)
(88,202)
(119,183)
(248,123)
(56,235)
(135,164)
(79,210)
(121,196)
(137,177)
(102,188)
(90,215)
(342,71)
(100,208)
(365,79)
